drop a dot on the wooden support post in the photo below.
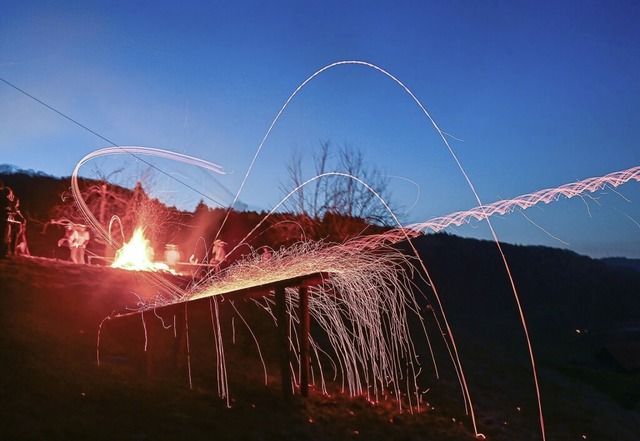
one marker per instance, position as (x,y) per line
(148,339)
(180,342)
(305,358)
(283,337)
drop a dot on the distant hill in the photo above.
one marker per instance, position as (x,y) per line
(582,314)
(623,262)
(560,290)
(37,191)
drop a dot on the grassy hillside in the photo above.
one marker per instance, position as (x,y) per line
(52,387)
(583,317)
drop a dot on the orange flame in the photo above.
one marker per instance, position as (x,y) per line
(137,255)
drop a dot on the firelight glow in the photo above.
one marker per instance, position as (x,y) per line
(363,306)
(537,94)
(137,255)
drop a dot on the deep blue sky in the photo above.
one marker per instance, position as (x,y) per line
(538,93)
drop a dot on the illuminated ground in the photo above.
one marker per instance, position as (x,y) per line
(52,388)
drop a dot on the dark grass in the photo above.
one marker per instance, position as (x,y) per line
(52,388)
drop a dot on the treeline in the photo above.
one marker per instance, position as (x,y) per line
(47,204)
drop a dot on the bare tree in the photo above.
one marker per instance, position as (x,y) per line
(339,194)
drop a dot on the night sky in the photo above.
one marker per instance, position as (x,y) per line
(533,95)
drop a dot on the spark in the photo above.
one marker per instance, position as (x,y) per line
(186,331)
(363,305)
(542,228)
(146,337)
(546,196)
(366,322)
(370,302)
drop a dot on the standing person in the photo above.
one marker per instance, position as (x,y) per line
(13,222)
(81,242)
(4,224)
(219,253)
(78,242)
(66,239)
(76,237)
(72,240)
(20,247)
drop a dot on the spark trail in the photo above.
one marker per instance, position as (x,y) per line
(371,348)
(367,321)
(546,196)
(362,307)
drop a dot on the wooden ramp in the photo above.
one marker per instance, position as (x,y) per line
(302,283)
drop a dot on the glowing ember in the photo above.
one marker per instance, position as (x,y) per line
(137,255)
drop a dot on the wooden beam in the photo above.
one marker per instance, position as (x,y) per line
(302,282)
(305,358)
(283,342)
(252,292)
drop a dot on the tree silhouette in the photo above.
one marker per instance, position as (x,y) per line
(337,196)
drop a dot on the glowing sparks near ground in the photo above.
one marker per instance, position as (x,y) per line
(365,303)
(362,307)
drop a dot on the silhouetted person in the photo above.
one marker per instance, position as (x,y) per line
(19,227)
(22,248)
(4,224)
(13,222)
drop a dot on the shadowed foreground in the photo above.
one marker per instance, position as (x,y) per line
(51,387)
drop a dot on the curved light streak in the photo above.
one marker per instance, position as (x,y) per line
(546,196)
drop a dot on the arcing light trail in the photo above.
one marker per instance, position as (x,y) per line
(363,307)
(170,290)
(523,202)
(379,351)
(443,136)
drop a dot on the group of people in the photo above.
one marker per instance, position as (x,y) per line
(13,225)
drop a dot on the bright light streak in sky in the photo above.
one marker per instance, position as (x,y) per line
(546,196)
(354,285)
(540,95)
(365,281)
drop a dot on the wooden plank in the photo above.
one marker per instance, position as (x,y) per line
(303,282)
(283,342)
(252,292)
(305,358)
